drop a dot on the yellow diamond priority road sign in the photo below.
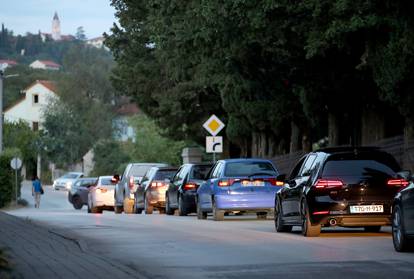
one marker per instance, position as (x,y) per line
(213,125)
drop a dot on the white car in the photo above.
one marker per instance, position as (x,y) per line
(101,195)
(66,181)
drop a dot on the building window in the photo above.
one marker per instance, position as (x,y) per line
(35,99)
(35,126)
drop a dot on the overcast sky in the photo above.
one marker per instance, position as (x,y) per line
(21,16)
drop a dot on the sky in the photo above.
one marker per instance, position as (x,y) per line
(22,16)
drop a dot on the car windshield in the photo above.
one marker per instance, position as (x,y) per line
(357,168)
(199,172)
(70,175)
(249,168)
(164,174)
(139,170)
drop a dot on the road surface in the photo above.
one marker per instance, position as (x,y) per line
(161,246)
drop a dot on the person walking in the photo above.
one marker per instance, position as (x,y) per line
(37,190)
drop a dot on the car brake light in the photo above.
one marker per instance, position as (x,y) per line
(328,184)
(131,182)
(320,212)
(227,182)
(190,186)
(398,182)
(274,181)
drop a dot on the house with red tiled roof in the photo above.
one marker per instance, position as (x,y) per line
(32,104)
(6,63)
(45,65)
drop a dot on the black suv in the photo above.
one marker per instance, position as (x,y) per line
(182,190)
(348,187)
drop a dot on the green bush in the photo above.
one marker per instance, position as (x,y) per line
(6,180)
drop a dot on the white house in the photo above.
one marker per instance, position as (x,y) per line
(29,108)
(96,42)
(123,131)
(44,65)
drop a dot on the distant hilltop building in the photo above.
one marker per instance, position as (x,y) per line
(56,32)
(44,65)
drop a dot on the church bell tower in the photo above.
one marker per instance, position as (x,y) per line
(56,28)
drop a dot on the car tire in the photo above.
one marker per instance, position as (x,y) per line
(261,215)
(77,202)
(148,208)
(118,209)
(308,229)
(372,229)
(279,226)
(168,209)
(218,215)
(399,237)
(96,210)
(128,206)
(200,214)
(182,210)
(161,210)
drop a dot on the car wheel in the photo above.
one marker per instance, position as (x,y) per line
(308,229)
(118,209)
(148,208)
(280,227)
(128,206)
(200,214)
(77,202)
(261,215)
(373,229)
(89,209)
(218,215)
(96,210)
(182,210)
(168,209)
(161,210)
(399,238)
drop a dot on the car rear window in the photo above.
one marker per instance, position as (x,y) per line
(249,168)
(139,170)
(358,168)
(106,181)
(164,174)
(199,172)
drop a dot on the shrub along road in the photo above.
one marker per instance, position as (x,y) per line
(239,247)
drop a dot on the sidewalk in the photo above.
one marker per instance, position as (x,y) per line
(37,252)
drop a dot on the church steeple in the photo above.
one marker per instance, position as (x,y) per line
(56,27)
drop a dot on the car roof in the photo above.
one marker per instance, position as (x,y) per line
(87,178)
(165,168)
(105,176)
(244,160)
(150,164)
(349,149)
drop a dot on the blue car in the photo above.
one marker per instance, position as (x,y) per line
(236,185)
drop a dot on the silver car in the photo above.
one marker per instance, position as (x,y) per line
(66,181)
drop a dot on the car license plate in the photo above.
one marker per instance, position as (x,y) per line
(253,183)
(366,208)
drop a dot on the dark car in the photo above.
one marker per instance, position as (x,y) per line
(348,187)
(234,185)
(403,219)
(183,188)
(78,194)
(151,190)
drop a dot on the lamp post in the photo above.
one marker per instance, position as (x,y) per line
(2,77)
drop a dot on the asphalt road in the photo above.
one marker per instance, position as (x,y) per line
(160,246)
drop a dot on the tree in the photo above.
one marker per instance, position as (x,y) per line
(80,34)
(109,157)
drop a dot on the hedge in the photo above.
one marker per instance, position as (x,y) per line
(6,180)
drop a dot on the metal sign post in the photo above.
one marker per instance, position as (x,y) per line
(16,164)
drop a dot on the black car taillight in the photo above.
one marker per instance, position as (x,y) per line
(328,184)
(190,186)
(401,183)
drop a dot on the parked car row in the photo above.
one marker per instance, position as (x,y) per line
(347,187)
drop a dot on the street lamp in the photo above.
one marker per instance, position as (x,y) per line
(2,77)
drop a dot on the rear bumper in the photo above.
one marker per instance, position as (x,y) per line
(104,199)
(156,198)
(245,202)
(355,220)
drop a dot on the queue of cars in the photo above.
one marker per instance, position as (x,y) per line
(348,187)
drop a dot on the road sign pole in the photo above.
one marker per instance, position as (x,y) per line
(214,157)
(15,172)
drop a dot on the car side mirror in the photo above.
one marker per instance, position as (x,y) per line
(405,174)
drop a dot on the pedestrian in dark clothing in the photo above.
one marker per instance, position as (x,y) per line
(36,190)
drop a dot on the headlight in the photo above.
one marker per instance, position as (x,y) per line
(68,185)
